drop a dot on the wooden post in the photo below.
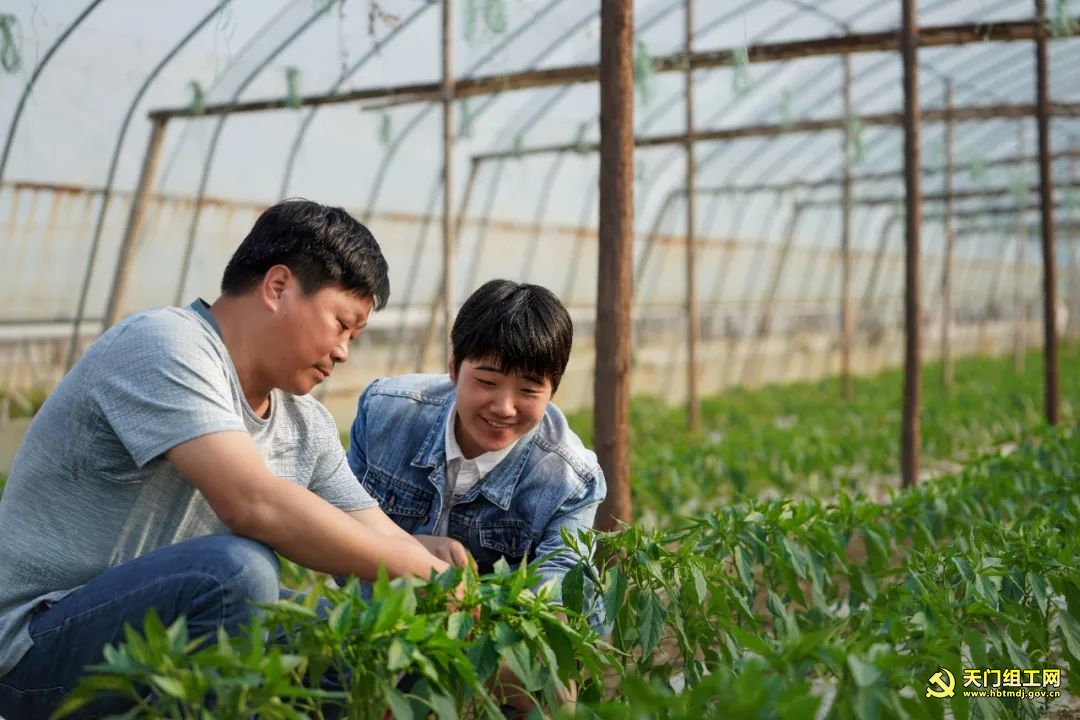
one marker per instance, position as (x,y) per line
(438,302)
(136,214)
(910,432)
(448,174)
(765,325)
(1046,182)
(693,405)
(950,243)
(846,320)
(1073,308)
(1019,305)
(611,387)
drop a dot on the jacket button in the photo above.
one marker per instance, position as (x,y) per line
(424,520)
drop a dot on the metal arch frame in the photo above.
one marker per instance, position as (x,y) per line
(392,149)
(33,80)
(417,118)
(736,220)
(110,176)
(252,42)
(819,159)
(589,198)
(185,263)
(301,133)
(865,9)
(591,193)
(494,186)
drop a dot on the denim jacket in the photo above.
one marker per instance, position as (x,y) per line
(549,480)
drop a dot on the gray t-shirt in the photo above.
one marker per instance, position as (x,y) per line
(90,487)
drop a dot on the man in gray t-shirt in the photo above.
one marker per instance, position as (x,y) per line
(182,449)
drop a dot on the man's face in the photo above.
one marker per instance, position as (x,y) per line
(494,409)
(313,334)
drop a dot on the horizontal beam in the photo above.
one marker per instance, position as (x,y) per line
(874,200)
(886,41)
(971,113)
(1069,226)
(749,188)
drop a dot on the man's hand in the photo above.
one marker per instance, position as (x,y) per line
(447,549)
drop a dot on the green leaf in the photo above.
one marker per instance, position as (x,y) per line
(745,565)
(573,588)
(700,585)
(170,686)
(521,662)
(1070,634)
(399,704)
(458,625)
(986,590)
(398,656)
(484,657)
(615,593)
(650,624)
(443,705)
(863,673)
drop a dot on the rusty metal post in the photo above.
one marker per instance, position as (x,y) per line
(1073,308)
(765,324)
(846,320)
(137,212)
(1019,304)
(693,404)
(611,387)
(910,432)
(439,300)
(448,173)
(1046,183)
(950,242)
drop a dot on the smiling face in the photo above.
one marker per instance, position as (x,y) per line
(312,334)
(495,409)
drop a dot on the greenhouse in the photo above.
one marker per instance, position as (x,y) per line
(822,260)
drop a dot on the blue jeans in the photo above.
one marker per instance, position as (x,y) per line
(215,581)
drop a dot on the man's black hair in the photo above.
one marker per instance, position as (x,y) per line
(522,328)
(321,245)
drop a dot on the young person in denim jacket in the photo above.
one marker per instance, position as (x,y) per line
(479,461)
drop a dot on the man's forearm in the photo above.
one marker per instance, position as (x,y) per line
(310,531)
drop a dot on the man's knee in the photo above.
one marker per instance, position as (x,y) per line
(246,572)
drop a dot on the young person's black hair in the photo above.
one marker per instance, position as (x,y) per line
(522,328)
(321,245)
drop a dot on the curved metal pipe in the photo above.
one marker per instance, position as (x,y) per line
(33,79)
(110,176)
(185,263)
(309,117)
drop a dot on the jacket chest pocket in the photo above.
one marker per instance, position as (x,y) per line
(408,506)
(511,539)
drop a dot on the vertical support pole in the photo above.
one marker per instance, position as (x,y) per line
(765,326)
(692,321)
(846,320)
(1019,272)
(438,302)
(910,432)
(448,173)
(611,388)
(1073,307)
(950,245)
(1046,186)
(136,214)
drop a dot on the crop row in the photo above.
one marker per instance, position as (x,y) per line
(803,439)
(775,608)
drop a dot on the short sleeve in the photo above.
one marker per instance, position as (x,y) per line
(332,480)
(161,382)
